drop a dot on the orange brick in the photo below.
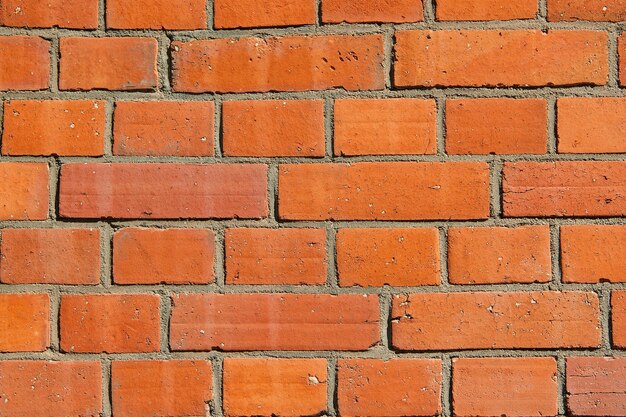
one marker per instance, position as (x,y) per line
(564,188)
(108,64)
(495,320)
(396,126)
(622,59)
(273,128)
(384,191)
(593,253)
(157,14)
(486,9)
(292,63)
(572,10)
(23,191)
(163,128)
(591,125)
(50,256)
(274,322)
(25,324)
(54,127)
(110,323)
(399,257)
(496,126)
(496,58)
(514,387)
(596,386)
(160,388)
(274,387)
(618,318)
(499,255)
(70,14)
(397,387)
(47,388)
(163,191)
(363,11)
(163,256)
(252,13)
(24,63)
(276,256)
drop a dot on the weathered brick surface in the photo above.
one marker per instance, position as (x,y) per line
(288,208)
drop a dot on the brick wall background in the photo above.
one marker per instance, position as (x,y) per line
(312,207)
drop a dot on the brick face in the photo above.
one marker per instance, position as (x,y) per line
(298,63)
(163,128)
(24,63)
(507,386)
(493,58)
(384,208)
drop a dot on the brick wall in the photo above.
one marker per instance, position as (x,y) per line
(312,208)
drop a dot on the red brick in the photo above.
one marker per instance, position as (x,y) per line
(25,324)
(163,128)
(108,64)
(163,256)
(276,256)
(499,255)
(292,63)
(622,59)
(618,316)
(504,386)
(384,191)
(23,191)
(498,58)
(393,388)
(160,388)
(593,253)
(70,14)
(163,191)
(50,256)
(274,387)
(111,323)
(253,13)
(591,125)
(157,14)
(273,128)
(363,11)
(496,126)
(274,322)
(24,63)
(564,188)
(495,320)
(486,9)
(54,127)
(596,386)
(396,126)
(399,257)
(54,389)
(572,10)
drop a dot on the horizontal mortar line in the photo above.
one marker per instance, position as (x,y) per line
(214,289)
(324,29)
(451,92)
(225,160)
(374,353)
(216,225)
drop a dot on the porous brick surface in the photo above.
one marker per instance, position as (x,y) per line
(317,208)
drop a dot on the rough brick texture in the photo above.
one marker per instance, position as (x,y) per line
(160,388)
(65,128)
(50,256)
(269,387)
(504,386)
(282,208)
(163,128)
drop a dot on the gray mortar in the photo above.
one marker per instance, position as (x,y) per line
(385,293)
